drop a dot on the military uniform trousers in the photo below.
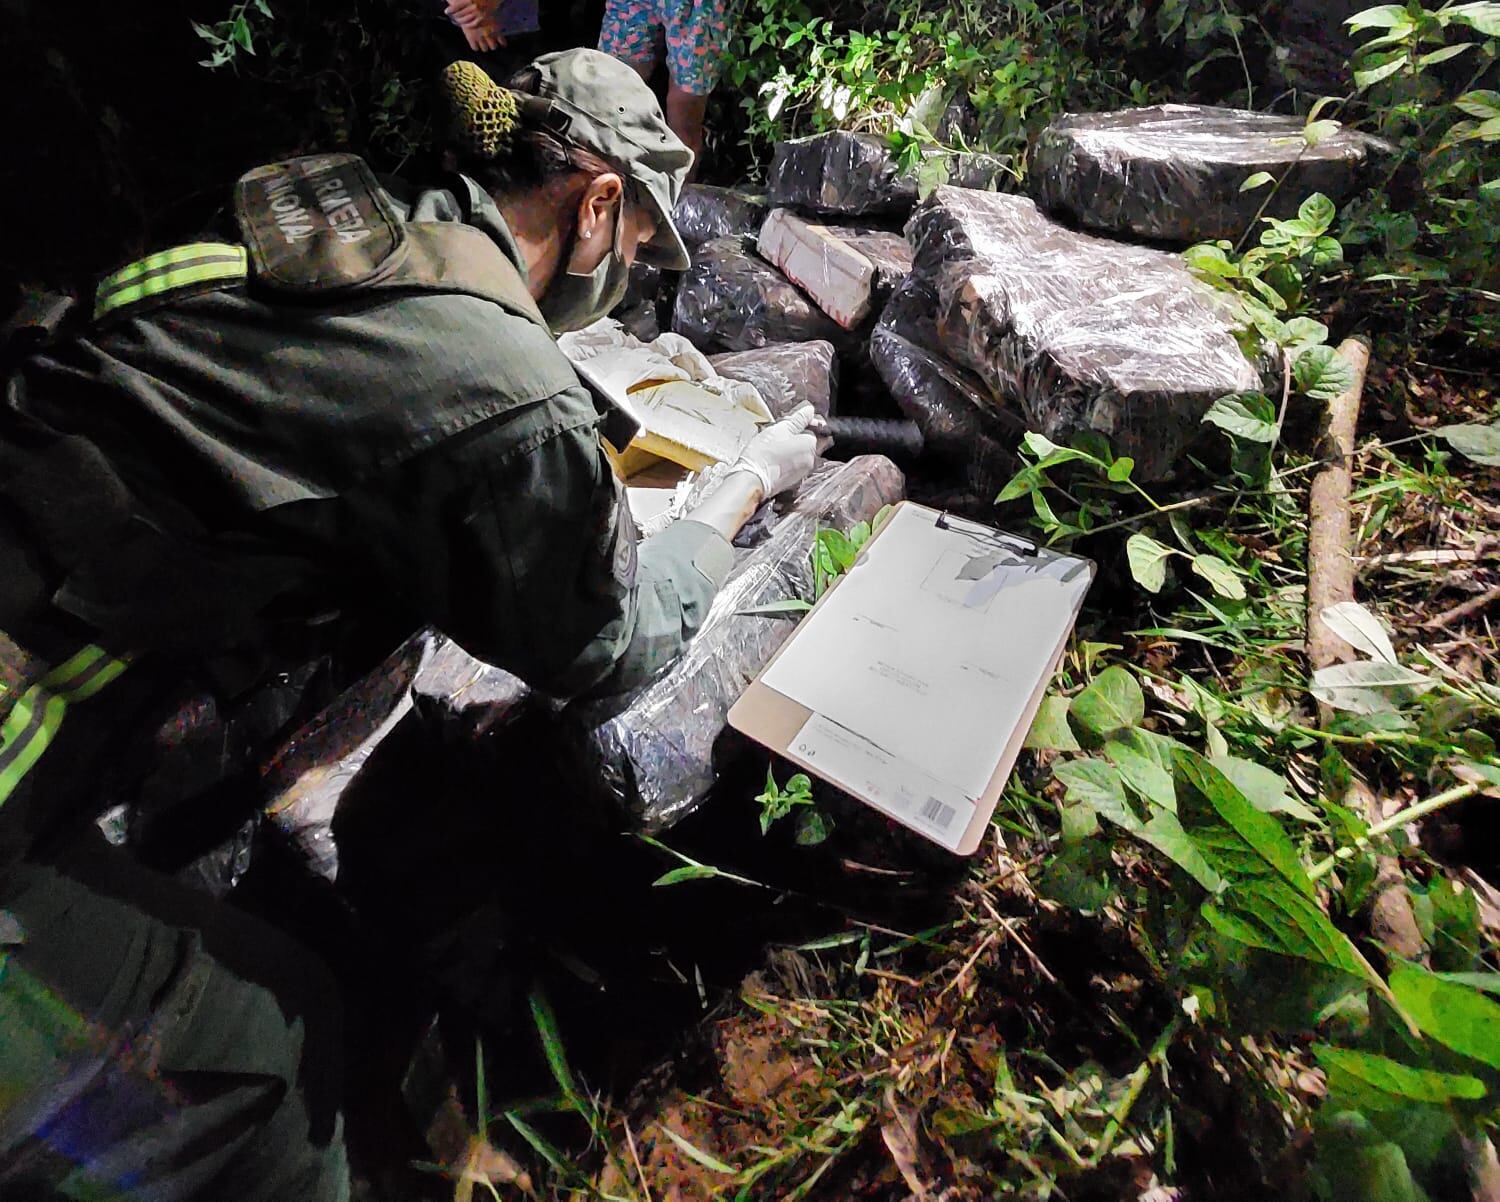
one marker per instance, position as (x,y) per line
(156,1045)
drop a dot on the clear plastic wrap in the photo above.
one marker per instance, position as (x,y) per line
(786,374)
(704,212)
(1081,333)
(429,675)
(857,174)
(847,272)
(652,751)
(960,420)
(733,300)
(1174,172)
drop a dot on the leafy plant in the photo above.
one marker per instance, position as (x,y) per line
(777,803)
(228,38)
(1429,246)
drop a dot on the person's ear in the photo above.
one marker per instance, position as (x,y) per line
(600,198)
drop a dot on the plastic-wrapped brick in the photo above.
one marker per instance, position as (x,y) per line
(429,674)
(847,272)
(733,300)
(1081,333)
(787,374)
(1174,172)
(960,419)
(704,212)
(856,174)
(652,751)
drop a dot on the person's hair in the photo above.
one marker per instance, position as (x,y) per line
(497,138)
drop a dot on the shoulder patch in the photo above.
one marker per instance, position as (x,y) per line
(318,224)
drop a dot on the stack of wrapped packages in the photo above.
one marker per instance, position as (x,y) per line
(984,313)
(650,754)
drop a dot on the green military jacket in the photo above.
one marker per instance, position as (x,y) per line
(426,455)
(218,483)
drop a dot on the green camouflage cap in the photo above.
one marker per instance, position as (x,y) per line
(611,111)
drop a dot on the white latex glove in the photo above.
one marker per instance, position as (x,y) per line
(782,454)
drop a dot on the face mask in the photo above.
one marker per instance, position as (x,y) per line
(573,301)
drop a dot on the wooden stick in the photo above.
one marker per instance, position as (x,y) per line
(1467,610)
(1330,580)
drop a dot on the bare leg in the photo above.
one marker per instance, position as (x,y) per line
(685,114)
(644,70)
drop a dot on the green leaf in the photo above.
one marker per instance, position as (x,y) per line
(840,549)
(1316,132)
(1164,832)
(1461,1019)
(1385,66)
(1367,686)
(1148,561)
(688,872)
(1482,17)
(1260,831)
(1481,443)
(1384,16)
(1259,180)
(1321,373)
(813,827)
(1049,729)
(1049,454)
(1098,785)
(1361,629)
(540,1144)
(1442,56)
(1225,580)
(1377,1083)
(1112,701)
(1268,913)
(1486,982)
(1266,790)
(1145,776)
(552,1048)
(711,1163)
(1247,415)
(1317,210)
(1023,482)
(1120,469)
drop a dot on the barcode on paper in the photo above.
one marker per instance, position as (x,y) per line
(938,813)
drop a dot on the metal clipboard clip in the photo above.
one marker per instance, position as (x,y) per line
(1018,543)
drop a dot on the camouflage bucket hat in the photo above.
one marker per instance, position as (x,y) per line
(610,110)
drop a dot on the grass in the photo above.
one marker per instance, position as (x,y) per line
(1031,1044)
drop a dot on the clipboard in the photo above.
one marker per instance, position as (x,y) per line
(816,722)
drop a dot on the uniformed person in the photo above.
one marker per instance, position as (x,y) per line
(352,407)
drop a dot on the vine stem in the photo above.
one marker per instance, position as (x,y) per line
(1400,818)
(1138,1079)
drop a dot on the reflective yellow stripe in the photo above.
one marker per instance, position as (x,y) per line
(173,256)
(37,714)
(230,264)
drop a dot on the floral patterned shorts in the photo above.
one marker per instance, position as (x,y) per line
(696,33)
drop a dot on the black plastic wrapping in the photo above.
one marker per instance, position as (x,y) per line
(787,374)
(428,679)
(653,751)
(960,420)
(854,174)
(733,300)
(704,212)
(1081,333)
(638,312)
(1174,172)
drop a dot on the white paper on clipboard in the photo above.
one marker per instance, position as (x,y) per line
(927,657)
